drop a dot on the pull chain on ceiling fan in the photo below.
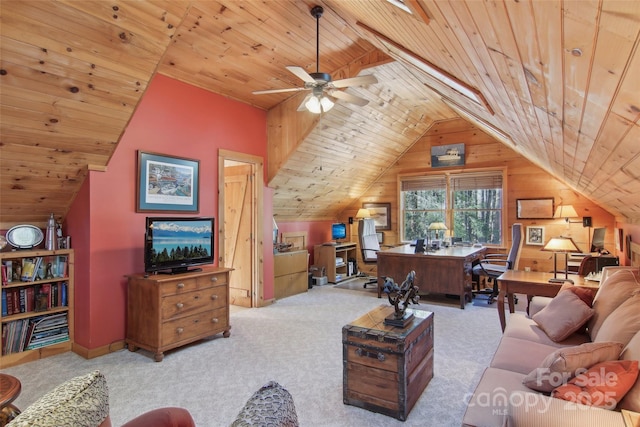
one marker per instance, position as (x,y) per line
(320,84)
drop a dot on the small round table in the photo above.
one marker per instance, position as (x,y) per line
(10,388)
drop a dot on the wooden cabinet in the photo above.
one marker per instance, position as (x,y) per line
(339,260)
(37,312)
(386,368)
(291,273)
(169,311)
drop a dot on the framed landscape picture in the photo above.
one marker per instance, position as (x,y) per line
(381,214)
(534,208)
(167,183)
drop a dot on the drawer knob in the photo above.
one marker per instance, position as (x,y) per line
(214,278)
(180,285)
(180,330)
(179,305)
(214,296)
(214,320)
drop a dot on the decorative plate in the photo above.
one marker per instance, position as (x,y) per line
(24,236)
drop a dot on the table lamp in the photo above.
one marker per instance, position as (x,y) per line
(437,226)
(561,244)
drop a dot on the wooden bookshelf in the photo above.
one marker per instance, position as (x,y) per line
(56,273)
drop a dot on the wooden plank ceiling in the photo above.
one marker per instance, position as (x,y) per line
(556,81)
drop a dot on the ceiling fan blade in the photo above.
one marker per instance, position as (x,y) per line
(263,92)
(349,98)
(356,81)
(302,107)
(301,74)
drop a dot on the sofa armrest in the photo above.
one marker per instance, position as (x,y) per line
(533,409)
(163,417)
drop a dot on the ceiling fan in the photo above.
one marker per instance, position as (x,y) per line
(320,84)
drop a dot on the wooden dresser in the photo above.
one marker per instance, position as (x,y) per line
(386,368)
(290,270)
(169,311)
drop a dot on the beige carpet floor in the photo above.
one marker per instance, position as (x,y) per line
(297,342)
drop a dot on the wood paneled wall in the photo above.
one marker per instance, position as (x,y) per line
(524,181)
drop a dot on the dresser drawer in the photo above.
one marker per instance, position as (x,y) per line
(180,286)
(201,324)
(198,301)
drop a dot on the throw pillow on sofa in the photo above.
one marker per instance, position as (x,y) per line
(563,364)
(564,315)
(272,405)
(603,385)
(80,401)
(622,324)
(616,289)
(631,400)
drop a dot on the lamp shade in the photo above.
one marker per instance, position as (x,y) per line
(437,226)
(318,104)
(363,213)
(565,211)
(561,244)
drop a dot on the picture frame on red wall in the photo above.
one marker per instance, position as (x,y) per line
(167,183)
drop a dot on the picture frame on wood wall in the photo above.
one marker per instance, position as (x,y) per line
(535,235)
(167,183)
(541,208)
(381,214)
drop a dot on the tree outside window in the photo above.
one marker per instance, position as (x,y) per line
(472,202)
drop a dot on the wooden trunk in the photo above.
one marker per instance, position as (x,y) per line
(386,368)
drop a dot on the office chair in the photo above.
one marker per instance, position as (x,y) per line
(589,264)
(369,245)
(493,265)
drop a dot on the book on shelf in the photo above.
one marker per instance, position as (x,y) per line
(8,272)
(27,334)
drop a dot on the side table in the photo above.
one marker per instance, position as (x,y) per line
(10,388)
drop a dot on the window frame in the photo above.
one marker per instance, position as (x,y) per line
(449,211)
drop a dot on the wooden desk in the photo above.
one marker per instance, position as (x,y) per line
(445,271)
(531,283)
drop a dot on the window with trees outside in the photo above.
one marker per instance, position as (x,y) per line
(469,203)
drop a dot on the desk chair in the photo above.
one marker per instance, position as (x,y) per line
(589,264)
(494,265)
(369,245)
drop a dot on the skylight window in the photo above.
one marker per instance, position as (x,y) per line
(400,4)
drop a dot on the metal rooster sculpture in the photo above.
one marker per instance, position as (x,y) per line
(400,297)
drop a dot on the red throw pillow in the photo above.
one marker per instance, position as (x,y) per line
(603,385)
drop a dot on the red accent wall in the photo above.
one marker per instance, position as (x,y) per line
(107,234)
(317,232)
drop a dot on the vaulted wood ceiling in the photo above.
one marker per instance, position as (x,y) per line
(556,81)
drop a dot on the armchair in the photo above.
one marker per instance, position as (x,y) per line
(84,401)
(493,265)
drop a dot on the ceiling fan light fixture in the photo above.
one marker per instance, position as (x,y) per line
(326,103)
(313,105)
(317,104)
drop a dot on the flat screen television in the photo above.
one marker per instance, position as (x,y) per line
(176,245)
(338,231)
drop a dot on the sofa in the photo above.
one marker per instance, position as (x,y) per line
(83,401)
(571,361)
